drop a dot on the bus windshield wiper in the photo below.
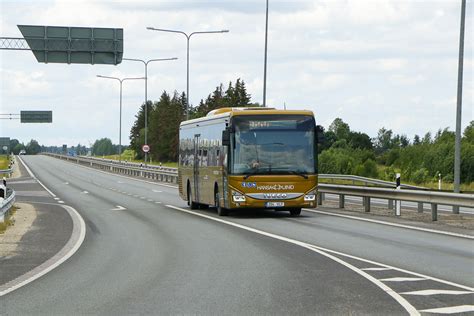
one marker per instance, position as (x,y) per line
(251,173)
(299,173)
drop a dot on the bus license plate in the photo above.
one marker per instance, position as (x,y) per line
(274,204)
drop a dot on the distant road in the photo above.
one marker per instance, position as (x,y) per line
(145,252)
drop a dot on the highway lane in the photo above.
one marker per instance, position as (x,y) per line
(149,258)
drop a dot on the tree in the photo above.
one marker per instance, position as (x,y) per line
(360,141)
(33,148)
(340,129)
(383,141)
(103,147)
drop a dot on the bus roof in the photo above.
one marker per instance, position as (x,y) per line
(229,112)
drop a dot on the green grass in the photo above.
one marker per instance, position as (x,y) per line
(8,220)
(3,162)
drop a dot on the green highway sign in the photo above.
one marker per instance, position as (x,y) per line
(36,116)
(74,45)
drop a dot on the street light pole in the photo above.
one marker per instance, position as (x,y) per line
(120,120)
(188,37)
(457,144)
(265,61)
(145,63)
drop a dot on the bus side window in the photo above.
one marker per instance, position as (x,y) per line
(204,157)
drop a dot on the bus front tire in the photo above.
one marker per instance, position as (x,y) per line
(220,210)
(295,212)
(192,205)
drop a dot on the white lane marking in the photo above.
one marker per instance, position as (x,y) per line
(402,301)
(85,192)
(62,202)
(135,196)
(73,244)
(142,197)
(149,200)
(129,194)
(119,182)
(118,208)
(33,175)
(450,310)
(156,191)
(437,292)
(393,224)
(157,202)
(66,182)
(375,269)
(403,279)
(56,198)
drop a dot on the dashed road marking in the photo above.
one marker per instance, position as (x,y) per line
(403,279)
(56,198)
(437,292)
(157,191)
(85,192)
(149,200)
(450,310)
(62,202)
(375,269)
(157,202)
(118,208)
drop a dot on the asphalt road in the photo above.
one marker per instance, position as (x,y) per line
(146,253)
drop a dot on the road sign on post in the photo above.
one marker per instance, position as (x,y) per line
(74,45)
(36,116)
(5,145)
(146,148)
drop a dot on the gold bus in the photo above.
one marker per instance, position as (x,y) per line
(237,158)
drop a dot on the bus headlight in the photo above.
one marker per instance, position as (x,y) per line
(310,196)
(237,197)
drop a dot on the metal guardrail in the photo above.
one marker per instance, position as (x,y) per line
(434,198)
(151,174)
(365,180)
(7,204)
(6,171)
(409,193)
(133,164)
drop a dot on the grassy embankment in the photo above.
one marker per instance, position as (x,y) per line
(3,162)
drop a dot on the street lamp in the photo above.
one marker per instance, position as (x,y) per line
(188,37)
(120,121)
(146,62)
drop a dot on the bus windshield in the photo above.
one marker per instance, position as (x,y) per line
(273,144)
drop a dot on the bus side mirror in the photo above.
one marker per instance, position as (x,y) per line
(320,134)
(226,137)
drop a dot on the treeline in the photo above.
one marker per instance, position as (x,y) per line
(165,116)
(344,151)
(31,148)
(421,160)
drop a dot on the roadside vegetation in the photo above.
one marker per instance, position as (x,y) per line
(420,161)
(3,162)
(9,220)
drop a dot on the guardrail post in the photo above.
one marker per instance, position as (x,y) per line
(366,200)
(320,199)
(341,200)
(390,204)
(398,210)
(420,207)
(434,212)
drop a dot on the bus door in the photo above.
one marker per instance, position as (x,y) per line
(196,165)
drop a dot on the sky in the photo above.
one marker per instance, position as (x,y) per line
(373,63)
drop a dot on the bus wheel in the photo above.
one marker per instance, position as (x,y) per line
(295,211)
(192,205)
(220,210)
